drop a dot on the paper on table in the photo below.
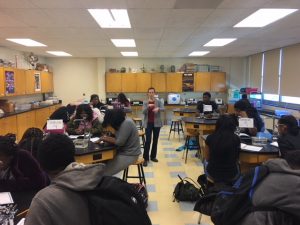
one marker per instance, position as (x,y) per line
(251,147)
(74,136)
(95,139)
(5,198)
(275,143)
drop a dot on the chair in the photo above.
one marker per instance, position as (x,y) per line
(138,122)
(142,135)
(141,174)
(176,125)
(191,133)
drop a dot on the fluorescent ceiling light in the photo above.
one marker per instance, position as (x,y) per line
(198,53)
(263,17)
(123,42)
(129,53)
(59,53)
(26,42)
(111,18)
(219,41)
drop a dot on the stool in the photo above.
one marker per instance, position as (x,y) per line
(176,125)
(138,122)
(141,174)
(142,135)
(191,134)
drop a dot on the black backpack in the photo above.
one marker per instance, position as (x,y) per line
(115,202)
(185,190)
(232,203)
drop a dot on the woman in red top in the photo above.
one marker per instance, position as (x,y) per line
(152,123)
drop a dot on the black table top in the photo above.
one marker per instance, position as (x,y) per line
(92,148)
(198,120)
(185,110)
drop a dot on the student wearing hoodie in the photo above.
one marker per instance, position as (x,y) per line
(280,191)
(59,203)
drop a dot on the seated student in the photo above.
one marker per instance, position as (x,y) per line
(222,151)
(84,121)
(126,139)
(95,102)
(31,139)
(59,203)
(244,109)
(19,171)
(280,191)
(206,106)
(289,135)
(122,101)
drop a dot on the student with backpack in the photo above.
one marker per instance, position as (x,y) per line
(79,194)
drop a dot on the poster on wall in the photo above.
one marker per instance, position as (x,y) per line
(10,82)
(37,82)
(187,82)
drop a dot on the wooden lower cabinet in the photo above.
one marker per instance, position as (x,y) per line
(41,117)
(25,121)
(8,125)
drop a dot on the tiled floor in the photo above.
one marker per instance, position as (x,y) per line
(161,179)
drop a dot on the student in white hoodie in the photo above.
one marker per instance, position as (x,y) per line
(59,203)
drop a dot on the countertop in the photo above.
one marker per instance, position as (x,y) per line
(24,111)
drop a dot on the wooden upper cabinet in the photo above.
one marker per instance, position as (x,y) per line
(2,83)
(174,82)
(129,82)
(20,81)
(113,82)
(158,81)
(33,81)
(218,82)
(143,82)
(202,81)
(47,82)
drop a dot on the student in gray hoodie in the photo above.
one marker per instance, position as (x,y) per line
(59,203)
(281,190)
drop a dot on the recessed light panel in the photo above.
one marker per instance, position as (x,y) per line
(111,18)
(198,53)
(123,42)
(26,42)
(263,17)
(129,53)
(216,42)
(59,53)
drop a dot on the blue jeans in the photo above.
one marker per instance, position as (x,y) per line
(149,130)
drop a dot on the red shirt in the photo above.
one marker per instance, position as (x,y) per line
(151,113)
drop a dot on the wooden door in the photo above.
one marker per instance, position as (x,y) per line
(25,121)
(8,125)
(41,117)
(47,82)
(143,82)
(158,81)
(2,85)
(218,82)
(113,82)
(33,81)
(20,81)
(202,81)
(129,82)
(174,82)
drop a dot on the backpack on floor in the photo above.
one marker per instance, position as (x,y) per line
(116,202)
(232,203)
(142,191)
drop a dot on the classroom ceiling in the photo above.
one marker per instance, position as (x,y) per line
(161,28)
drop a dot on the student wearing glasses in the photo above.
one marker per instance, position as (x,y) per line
(289,135)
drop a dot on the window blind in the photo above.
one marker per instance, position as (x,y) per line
(271,66)
(255,70)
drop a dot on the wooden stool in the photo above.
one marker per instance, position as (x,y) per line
(191,134)
(141,174)
(142,135)
(176,125)
(138,122)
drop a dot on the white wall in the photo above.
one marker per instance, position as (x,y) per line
(74,78)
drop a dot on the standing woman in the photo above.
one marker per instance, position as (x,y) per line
(84,121)
(222,151)
(152,123)
(126,139)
